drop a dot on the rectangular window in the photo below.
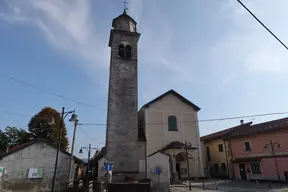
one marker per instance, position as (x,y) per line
(223,167)
(247,146)
(208,154)
(172,123)
(220,147)
(255,168)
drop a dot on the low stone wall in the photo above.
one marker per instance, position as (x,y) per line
(36,185)
(129,187)
(160,187)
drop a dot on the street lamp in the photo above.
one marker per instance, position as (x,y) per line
(89,149)
(63,116)
(271,144)
(74,118)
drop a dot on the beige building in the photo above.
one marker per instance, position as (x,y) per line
(169,121)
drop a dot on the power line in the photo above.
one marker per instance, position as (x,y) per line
(90,136)
(12,113)
(203,120)
(46,91)
(263,25)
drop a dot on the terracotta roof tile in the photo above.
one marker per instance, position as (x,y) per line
(224,132)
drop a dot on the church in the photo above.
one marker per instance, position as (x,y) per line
(161,141)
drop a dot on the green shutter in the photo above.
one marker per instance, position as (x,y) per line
(172,123)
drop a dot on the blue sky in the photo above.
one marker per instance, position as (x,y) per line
(212,52)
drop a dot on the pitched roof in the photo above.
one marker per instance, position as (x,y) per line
(224,132)
(158,151)
(264,127)
(176,145)
(23,146)
(183,99)
(124,16)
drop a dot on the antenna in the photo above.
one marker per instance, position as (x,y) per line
(125,5)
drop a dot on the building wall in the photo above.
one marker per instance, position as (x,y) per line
(257,143)
(217,157)
(35,156)
(142,159)
(163,179)
(156,127)
(101,171)
(266,160)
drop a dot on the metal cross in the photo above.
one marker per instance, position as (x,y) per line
(125,5)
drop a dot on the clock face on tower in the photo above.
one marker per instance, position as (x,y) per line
(126,70)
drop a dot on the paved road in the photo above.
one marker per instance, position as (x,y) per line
(231,186)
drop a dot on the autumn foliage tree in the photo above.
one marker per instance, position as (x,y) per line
(46,124)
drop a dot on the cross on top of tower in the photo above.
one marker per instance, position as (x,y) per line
(125,6)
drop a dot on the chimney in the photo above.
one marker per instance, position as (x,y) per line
(241,121)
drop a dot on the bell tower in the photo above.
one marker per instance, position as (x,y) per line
(122,117)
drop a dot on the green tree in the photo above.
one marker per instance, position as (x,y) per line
(15,136)
(12,136)
(46,124)
(3,142)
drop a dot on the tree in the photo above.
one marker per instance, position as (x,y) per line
(16,136)
(12,136)
(40,125)
(3,142)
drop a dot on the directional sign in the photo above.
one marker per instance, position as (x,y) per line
(108,166)
(158,170)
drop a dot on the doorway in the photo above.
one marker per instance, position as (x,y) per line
(242,170)
(178,170)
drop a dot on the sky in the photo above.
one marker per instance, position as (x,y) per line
(211,52)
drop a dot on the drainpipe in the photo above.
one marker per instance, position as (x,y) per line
(146,176)
(226,155)
(233,170)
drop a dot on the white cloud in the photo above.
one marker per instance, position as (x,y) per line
(67,25)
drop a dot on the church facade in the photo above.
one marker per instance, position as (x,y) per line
(170,125)
(162,135)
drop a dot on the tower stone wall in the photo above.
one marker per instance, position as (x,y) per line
(122,117)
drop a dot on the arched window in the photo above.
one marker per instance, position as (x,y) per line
(172,123)
(121,50)
(128,50)
(125,50)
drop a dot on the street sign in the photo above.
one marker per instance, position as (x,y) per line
(108,166)
(158,170)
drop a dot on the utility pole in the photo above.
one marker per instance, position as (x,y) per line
(75,120)
(89,149)
(274,156)
(59,144)
(188,166)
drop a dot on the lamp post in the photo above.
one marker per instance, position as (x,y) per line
(89,149)
(75,120)
(63,116)
(271,144)
(188,165)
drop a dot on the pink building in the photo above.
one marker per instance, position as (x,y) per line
(252,149)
